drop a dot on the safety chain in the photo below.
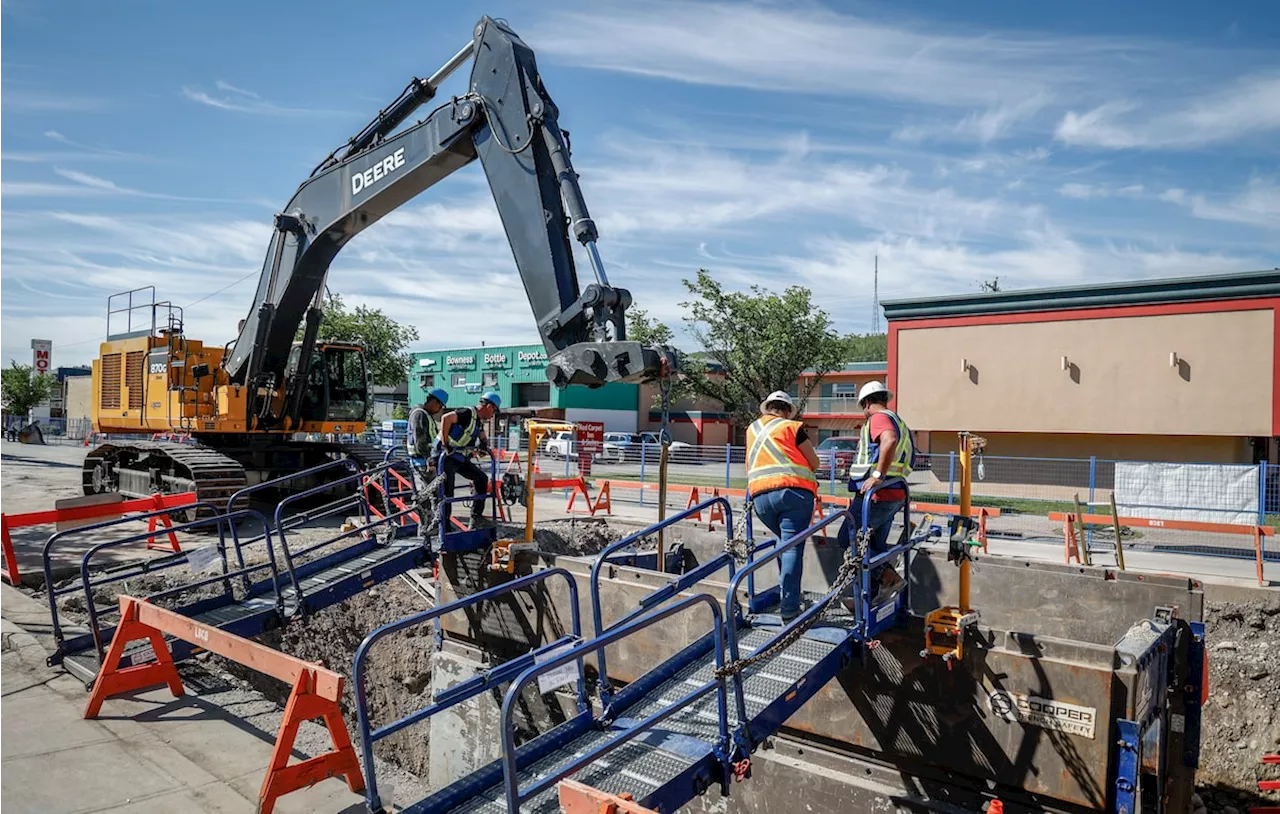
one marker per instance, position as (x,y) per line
(849,568)
(736,545)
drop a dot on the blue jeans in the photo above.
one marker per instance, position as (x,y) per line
(786,513)
(880,519)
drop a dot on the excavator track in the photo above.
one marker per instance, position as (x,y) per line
(142,468)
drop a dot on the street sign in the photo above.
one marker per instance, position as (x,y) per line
(590,438)
(41,355)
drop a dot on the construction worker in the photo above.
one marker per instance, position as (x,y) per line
(461,432)
(424,429)
(781,462)
(884,457)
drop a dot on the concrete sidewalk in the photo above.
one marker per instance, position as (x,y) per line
(204,752)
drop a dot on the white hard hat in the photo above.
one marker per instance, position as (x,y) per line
(778,395)
(871,388)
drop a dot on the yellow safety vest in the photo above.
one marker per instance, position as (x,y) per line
(869,448)
(774,461)
(460,437)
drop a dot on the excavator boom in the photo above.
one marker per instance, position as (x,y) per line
(507,121)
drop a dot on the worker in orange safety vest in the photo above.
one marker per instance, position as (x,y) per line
(782,486)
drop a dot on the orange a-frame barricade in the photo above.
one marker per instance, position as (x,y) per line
(1071,543)
(579,798)
(604,500)
(156,502)
(316,691)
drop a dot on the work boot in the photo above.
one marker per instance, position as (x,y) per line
(890,585)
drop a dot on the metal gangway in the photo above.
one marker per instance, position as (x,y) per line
(243,597)
(691,722)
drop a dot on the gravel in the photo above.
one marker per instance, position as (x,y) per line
(1242,716)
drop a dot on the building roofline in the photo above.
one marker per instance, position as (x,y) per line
(1103,295)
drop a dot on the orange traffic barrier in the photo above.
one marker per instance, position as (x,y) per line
(154,503)
(316,691)
(578,798)
(603,500)
(716,514)
(1071,545)
(694,500)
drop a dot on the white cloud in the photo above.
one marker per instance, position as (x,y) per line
(806,49)
(1258,204)
(1085,191)
(1246,107)
(239,100)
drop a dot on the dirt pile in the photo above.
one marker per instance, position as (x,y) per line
(1242,716)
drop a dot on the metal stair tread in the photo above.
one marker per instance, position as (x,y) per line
(647,768)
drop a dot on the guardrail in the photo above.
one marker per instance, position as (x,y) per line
(662,593)
(466,689)
(510,769)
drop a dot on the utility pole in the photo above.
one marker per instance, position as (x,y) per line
(875,303)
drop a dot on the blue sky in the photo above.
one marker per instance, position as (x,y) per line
(773,143)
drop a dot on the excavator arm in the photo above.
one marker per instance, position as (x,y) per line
(507,121)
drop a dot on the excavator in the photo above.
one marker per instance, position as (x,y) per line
(240,411)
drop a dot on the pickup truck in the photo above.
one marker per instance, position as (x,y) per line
(562,444)
(840,450)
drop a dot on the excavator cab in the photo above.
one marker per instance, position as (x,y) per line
(337,388)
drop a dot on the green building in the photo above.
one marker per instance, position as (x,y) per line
(518,374)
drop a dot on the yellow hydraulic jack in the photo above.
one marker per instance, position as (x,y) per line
(944,628)
(502,556)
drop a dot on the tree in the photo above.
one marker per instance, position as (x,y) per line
(650,332)
(641,328)
(399,412)
(866,348)
(21,390)
(757,342)
(383,338)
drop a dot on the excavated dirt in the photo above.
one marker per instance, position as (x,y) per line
(1242,716)
(398,676)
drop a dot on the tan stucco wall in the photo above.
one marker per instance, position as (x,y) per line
(79,397)
(1120,380)
(1197,448)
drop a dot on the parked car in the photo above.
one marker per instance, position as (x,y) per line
(842,450)
(560,445)
(626,446)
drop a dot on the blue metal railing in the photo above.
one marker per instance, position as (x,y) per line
(467,689)
(781,547)
(224,577)
(510,770)
(243,494)
(664,592)
(148,566)
(445,517)
(356,500)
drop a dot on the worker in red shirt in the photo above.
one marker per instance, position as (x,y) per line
(884,457)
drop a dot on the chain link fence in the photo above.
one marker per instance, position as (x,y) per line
(1024,490)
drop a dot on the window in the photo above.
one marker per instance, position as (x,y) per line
(844,390)
(427,380)
(489,380)
(459,380)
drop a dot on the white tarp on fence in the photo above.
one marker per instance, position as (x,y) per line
(1209,493)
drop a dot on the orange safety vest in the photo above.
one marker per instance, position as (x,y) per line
(774,461)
